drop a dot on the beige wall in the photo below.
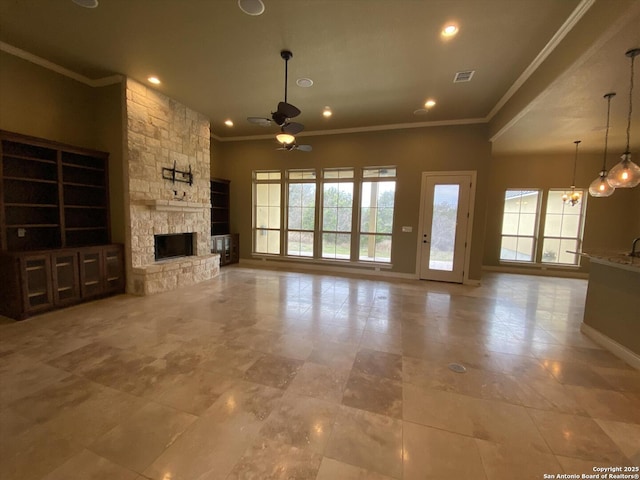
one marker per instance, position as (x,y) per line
(414,151)
(38,102)
(610,224)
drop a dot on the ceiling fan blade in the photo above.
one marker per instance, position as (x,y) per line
(304,148)
(262,121)
(292,128)
(288,110)
(279,118)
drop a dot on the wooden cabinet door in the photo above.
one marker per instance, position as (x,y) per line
(66,278)
(91,272)
(113,269)
(35,274)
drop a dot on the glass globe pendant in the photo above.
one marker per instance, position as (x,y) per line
(600,186)
(626,174)
(574,196)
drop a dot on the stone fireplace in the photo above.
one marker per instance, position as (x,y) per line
(162,134)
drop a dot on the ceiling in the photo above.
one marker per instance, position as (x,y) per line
(374,62)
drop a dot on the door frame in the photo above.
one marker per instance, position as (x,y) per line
(472,201)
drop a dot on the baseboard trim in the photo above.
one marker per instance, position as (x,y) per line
(321,268)
(614,347)
(535,271)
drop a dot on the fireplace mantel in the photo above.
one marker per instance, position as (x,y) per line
(174,206)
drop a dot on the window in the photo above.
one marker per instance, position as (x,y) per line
(562,230)
(337,213)
(267,213)
(330,231)
(562,226)
(301,212)
(377,198)
(519,224)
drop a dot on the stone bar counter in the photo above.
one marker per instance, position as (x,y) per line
(612,308)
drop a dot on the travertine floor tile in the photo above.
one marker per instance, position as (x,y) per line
(331,469)
(273,371)
(374,394)
(483,419)
(87,465)
(319,381)
(367,440)
(502,462)
(302,422)
(575,436)
(268,361)
(276,460)
(431,454)
(626,436)
(143,436)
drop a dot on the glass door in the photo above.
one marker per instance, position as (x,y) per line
(444,227)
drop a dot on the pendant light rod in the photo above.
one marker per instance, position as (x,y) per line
(575,162)
(286,56)
(632,55)
(608,96)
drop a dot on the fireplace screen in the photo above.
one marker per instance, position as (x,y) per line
(173,245)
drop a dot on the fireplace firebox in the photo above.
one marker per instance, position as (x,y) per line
(173,245)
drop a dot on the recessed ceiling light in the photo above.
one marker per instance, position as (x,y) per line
(430,103)
(420,111)
(327,112)
(86,3)
(154,80)
(228,123)
(449,30)
(304,82)
(251,7)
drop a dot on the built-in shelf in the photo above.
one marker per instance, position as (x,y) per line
(51,195)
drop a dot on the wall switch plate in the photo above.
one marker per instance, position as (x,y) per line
(407,229)
(22,232)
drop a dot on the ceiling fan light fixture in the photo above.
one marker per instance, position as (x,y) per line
(251,7)
(626,174)
(86,3)
(285,138)
(449,30)
(304,82)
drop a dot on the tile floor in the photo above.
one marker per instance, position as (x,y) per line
(261,374)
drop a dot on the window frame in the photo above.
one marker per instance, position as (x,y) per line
(358,179)
(321,230)
(533,236)
(540,227)
(313,179)
(269,181)
(380,178)
(582,206)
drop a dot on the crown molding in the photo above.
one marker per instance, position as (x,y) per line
(54,67)
(374,128)
(562,32)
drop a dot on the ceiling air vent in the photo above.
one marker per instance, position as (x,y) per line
(463,76)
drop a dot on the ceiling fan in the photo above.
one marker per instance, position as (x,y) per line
(294,146)
(285,111)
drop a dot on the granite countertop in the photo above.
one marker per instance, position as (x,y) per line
(619,259)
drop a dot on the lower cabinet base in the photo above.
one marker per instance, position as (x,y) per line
(37,282)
